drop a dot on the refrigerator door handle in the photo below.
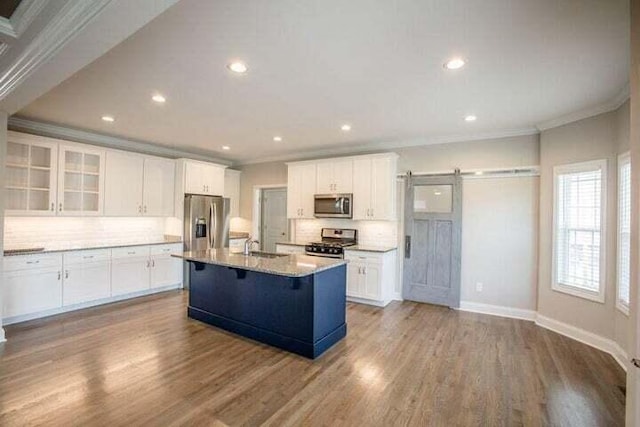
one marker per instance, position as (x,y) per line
(213,211)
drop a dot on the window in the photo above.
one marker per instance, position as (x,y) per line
(579,211)
(624,232)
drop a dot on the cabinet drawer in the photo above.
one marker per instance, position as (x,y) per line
(369,257)
(129,252)
(168,249)
(92,255)
(24,262)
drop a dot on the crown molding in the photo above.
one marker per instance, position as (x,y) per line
(69,20)
(378,146)
(77,135)
(611,105)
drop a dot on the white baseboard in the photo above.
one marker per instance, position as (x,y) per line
(2,337)
(369,301)
(498,310)
(397,297)
(585,337)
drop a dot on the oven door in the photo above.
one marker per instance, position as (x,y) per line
(332,206)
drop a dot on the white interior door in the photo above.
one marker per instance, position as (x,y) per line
(274,227)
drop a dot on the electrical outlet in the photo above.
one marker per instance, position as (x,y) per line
(478,286)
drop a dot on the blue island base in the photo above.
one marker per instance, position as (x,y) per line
(306,349)
(304,315)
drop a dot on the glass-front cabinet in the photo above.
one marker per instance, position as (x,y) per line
(30,176)
(80,180)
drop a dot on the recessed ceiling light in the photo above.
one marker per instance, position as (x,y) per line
(238,67)
(277,138)
(345,127)
(159,98)
(226,147)
(470,118)
(108,119)
(454,64)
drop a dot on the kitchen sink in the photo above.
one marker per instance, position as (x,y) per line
(266,254)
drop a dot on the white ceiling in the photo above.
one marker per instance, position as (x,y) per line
(377,64)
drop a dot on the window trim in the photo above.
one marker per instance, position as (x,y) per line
(620,305)
(601,165)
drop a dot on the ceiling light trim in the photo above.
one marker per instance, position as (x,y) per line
(386,146)
(69,20)
(61,132)
(585,113)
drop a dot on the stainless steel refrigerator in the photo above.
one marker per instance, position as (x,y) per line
(206,224)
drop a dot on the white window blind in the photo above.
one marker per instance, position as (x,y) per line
(578,234)
(624,231)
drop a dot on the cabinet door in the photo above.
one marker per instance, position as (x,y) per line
(293,191)
(86,282)
(343,176)
(80,181)
(123,184)
(194,178)
(307,190)
(31,291)
(383,189)
(232,191)
(129,275)
(372,288)
(354,279)
(30,176)
(165,271)
(214,180)
(324,178)
(361,189)
(159,187)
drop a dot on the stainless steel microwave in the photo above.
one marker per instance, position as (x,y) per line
(333,206)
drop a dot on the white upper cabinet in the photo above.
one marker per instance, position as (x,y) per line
(138,185)
(30,175)
(123,184)
(204,178)
(374,187)
(159,187)
(334,176)
(232,190)
(80,180)
(301,188)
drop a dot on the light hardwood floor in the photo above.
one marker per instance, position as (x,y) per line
(143,362)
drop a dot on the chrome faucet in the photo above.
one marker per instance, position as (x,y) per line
(247,245)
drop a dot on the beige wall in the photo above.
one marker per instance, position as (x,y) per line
(589,139)
(500,241)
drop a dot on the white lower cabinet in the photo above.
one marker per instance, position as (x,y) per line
(129,270)
(289,249)
(43,284)
(165,270)
(370,276)
(86,276)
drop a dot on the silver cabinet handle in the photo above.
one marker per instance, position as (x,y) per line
(60,207)
(145,208)
(131,253)
(153,263)
(87,256)
(371,212)
(53,206)
(148,263)
(59,275)
(139,209)
(33,262)
(66,274)
(364,270)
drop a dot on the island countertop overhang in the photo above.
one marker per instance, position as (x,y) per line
(290,265)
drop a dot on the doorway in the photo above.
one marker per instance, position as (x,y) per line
(274,226)
(433,225)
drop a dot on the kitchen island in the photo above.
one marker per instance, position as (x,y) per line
(293,302)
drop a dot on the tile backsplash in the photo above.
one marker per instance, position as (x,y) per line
(67,232)
(370,233)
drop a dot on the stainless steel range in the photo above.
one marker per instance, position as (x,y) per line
(333,242)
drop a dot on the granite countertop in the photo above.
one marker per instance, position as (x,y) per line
(294,265)
(79,246)
(292,243)
(371,248)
